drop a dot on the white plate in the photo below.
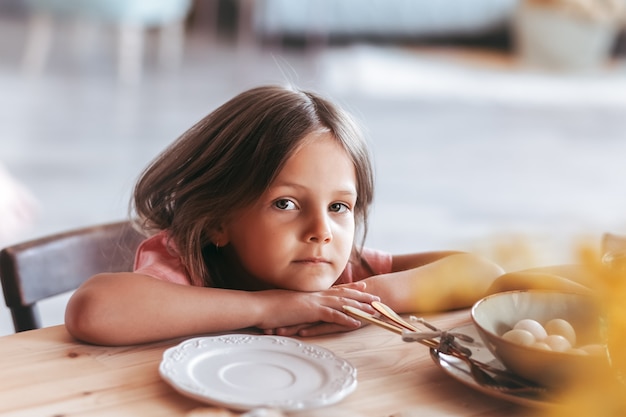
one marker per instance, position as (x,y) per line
(242,372)
(459,370)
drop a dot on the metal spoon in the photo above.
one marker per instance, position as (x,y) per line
(478,369)
(500,383)
(479,375)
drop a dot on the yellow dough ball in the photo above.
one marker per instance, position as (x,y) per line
(533,327)
(520,337)
(562,328)
(558,343)
(541,345)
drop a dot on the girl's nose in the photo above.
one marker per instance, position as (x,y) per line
(319,228)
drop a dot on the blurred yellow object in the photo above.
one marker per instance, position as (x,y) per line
(603,395)
(612,287)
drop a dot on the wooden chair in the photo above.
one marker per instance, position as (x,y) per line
(38,269)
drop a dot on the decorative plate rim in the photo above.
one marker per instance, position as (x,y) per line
(176,361)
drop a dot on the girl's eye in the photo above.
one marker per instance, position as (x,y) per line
(284,204)
(338,208)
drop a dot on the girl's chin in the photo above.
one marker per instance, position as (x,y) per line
(311,283)
(313,286)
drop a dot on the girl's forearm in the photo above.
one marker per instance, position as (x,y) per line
(452,282)
(127,308)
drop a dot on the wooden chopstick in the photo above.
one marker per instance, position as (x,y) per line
(359,314)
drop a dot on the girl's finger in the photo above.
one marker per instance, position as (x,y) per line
(367,307)
(354,293)
(358,285)
(290,330)
(323,328)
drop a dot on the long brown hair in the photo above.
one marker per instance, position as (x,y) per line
(229,158)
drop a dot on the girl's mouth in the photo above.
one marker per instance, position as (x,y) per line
(313,260)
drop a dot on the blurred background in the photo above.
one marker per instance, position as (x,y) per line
(497,126)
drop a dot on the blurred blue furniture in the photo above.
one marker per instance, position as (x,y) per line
(131,19)
(320,19)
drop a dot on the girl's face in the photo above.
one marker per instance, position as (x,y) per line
(299,234)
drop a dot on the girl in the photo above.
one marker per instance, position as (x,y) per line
(256,217)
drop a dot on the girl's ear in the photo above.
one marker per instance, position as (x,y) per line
(219,237)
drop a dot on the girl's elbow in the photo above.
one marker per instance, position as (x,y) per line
(78,317)
(85,318)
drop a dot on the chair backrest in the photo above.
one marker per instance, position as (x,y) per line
(38,269)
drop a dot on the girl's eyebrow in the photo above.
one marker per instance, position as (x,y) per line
(349,190)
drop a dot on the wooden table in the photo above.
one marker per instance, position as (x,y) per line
(46,372)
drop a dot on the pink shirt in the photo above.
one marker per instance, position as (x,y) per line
(158,258)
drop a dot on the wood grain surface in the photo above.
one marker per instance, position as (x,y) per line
(46,372)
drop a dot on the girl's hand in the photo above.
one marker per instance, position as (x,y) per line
(310,330)
(314,313)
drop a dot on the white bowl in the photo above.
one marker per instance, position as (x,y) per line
(496,314)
